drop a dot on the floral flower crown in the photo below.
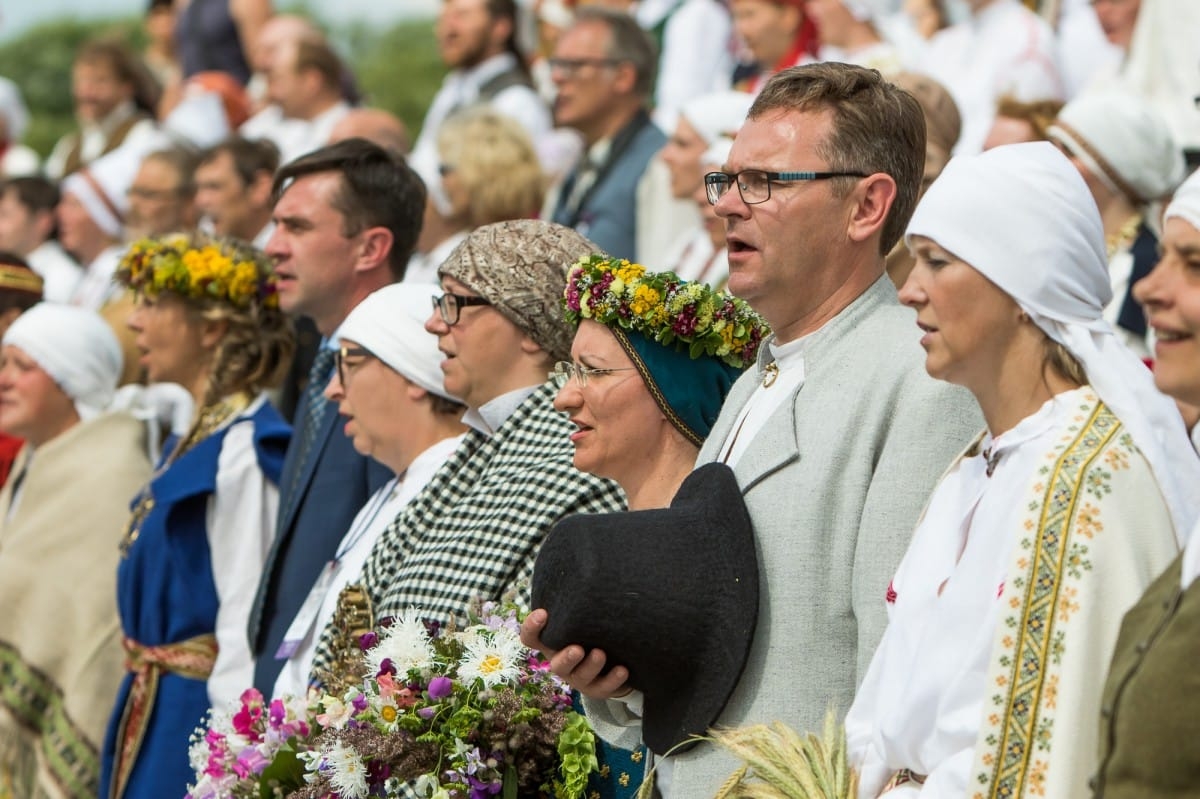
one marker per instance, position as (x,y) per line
(200,267)
(665,308)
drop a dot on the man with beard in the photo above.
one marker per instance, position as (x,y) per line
(477,40)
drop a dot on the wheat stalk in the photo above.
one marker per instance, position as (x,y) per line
(779,763)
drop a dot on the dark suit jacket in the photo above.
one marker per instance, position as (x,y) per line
(334,484)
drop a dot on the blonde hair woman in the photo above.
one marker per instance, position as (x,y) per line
(208,319)
(488,172)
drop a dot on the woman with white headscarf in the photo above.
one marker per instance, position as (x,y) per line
(1122,146)
(389,387)
(1040,536)
(1149,718)
(61,517)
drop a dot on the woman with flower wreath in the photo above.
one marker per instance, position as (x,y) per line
(652,360)
(1008,601)
(207,318)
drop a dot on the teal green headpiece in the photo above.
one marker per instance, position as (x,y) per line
(689,342)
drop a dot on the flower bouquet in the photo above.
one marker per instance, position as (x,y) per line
(442,714)
(251,751)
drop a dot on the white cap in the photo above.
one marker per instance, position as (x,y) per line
(1124,142)
(390,323)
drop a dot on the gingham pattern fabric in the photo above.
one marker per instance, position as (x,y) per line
(475,529)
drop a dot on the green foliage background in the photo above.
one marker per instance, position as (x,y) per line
(397,67)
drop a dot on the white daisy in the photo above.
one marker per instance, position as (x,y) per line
(493,658)
(347,772)
(406,644)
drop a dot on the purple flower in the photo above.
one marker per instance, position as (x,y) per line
(386,666)
(427,712)
(368,640)
(440,687)
(360,703)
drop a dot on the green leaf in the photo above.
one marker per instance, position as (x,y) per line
(510,782)
(286,769)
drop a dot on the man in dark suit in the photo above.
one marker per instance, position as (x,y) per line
(346,219)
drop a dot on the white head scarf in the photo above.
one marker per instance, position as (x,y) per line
(391,324)
(1186,202)
(1123,141)
(76,347)
(1023,217)
(717,115)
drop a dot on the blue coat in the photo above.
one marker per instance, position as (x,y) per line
(331,487)
(166,594)
(608,213)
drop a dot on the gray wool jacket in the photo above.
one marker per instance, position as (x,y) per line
(834,482)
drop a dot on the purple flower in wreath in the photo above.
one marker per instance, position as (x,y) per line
(440,687)
(368,640)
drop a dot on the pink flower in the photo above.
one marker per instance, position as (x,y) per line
(387,685)
(890,596)
(246,720)
(250,761)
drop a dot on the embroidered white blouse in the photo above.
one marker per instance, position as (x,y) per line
(920,705)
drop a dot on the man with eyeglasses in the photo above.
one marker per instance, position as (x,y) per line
(603,68)
(346,220)
(839,435)
(162,197)
(474,531)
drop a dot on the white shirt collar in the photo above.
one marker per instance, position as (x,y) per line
(493,414)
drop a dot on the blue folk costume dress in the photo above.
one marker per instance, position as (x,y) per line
(168,603)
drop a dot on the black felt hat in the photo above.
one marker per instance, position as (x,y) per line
(670,594)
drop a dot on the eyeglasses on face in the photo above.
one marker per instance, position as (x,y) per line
(450,306)
(343,359)
(568,68)
(565,370)
(754,185)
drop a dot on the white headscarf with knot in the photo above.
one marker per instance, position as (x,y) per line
(1022,216)
(76,347)
(390,323)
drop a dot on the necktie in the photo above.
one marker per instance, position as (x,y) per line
(313,405)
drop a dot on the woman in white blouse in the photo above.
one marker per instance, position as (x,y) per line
(1007,603)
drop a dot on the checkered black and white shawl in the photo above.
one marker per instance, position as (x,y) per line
(474,531)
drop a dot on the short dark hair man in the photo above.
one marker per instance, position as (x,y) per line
(346,218)
(234,179)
